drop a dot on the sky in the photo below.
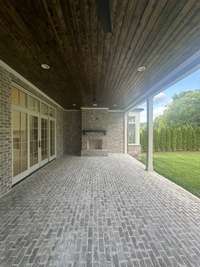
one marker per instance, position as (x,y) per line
(161,100)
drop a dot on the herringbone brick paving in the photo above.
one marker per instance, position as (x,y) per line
(98,211)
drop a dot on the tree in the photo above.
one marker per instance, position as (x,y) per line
(184,110)
(179,141)
(174,138)
(179,126)
(156,140)
(162,139)
(189,138)
(143,139)
(197,131)
(184,137)
(168,139)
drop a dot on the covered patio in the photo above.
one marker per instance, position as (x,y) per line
(99,211)
(72,74)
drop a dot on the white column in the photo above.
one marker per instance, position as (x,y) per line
(137,128)
(125,133)
(149,164)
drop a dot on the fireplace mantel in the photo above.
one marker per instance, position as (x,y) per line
(84,132)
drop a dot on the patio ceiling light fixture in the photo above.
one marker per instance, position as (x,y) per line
(141,68)
(94,105)
(45,66)
(74,105)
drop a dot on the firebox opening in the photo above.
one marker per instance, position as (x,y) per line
(95,144)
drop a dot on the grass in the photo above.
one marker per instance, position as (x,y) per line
(183,168)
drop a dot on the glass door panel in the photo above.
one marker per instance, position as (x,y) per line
(20,142)
(16,142)
(24,142)
(44,139)
(34,144)
(52,138)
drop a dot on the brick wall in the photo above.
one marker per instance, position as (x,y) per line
(72,132)
(115,132)
(94,119)
(59,133)
(5,133)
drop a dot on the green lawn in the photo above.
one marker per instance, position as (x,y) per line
(183,168)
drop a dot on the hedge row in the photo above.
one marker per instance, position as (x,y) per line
(184,138)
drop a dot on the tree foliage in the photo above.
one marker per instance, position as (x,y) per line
(184,110)
(186,138)
(179,127)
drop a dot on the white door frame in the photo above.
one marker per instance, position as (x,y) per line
(53,156)
(44,161)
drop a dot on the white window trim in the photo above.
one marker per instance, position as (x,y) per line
(137,128)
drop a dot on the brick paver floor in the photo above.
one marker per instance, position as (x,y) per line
(98,211)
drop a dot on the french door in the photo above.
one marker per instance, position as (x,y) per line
(20,145)
(33,134)
(34,142)
(39,141)
(44,140)
(52,140)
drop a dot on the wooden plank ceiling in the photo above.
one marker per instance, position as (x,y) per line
(87,63)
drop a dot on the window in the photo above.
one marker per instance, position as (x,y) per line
(34,146)
(19,126)
(15,96)
(44,138)
(44,109)
(52,137)
(131,129)
(33,104)
(18,97)
(52,112)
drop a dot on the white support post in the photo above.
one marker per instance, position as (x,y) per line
(149,164)
(125,133)
(137,128)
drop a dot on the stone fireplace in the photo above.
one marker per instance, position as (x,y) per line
(94,132)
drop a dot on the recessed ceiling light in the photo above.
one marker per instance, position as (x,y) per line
(114,105)
(141,68)
(94,105)
(45,66)
(73,105)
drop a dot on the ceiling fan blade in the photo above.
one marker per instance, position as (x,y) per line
(104,14)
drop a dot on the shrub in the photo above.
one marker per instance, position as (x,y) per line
(186,138)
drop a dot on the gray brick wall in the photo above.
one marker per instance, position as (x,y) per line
(72,132)
(59,133)
(5,133)
(115,132)
(95,119)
